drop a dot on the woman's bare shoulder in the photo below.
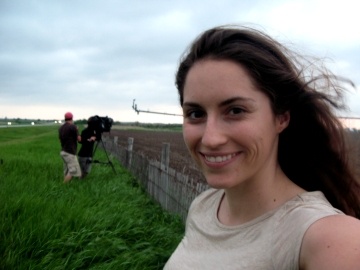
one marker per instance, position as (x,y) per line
(332,242)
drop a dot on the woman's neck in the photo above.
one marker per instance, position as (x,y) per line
(250,200)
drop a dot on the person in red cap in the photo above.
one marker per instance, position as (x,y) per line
(69,137)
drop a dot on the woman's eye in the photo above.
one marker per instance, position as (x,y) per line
(195,114)
(236,110)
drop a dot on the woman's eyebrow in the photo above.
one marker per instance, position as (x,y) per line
(236,99)
(191,104)
(222,103)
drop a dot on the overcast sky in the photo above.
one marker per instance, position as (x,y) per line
(94,57)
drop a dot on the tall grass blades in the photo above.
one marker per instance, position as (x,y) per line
(102,222)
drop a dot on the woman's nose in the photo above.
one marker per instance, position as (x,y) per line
(214,134)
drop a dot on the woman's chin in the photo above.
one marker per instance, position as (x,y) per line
(218,182)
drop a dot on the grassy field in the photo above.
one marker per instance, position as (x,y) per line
(102,222)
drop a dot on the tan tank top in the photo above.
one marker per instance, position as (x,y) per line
(271,241)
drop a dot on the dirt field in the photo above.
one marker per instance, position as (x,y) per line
(149,143)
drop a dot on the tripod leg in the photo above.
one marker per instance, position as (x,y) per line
(96,145)
(93,155)
(109,162)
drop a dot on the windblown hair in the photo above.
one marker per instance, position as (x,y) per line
(312,149)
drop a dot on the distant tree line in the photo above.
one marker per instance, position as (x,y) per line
(83,122)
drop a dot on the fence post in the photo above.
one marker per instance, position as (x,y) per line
(115,148)
(129,152)
(165,156)
(165,161)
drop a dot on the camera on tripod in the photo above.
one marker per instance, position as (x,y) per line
(100,125)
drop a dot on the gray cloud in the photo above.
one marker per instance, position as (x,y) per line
(97,56)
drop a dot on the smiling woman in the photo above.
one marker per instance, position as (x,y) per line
(263,132)
(225,129)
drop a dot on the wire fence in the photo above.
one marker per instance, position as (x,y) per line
(172,189)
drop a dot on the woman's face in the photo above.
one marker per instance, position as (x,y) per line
(229,127)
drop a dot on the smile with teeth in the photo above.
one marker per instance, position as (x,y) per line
(218,159)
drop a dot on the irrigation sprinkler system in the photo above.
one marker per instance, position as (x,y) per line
(343,118)
(134,106)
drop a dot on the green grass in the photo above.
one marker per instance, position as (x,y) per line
(105,221)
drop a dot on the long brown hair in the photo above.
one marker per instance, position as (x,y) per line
(312,150)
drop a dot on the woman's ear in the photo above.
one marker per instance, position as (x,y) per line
(282,121)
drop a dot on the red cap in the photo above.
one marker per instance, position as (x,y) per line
(68,116)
